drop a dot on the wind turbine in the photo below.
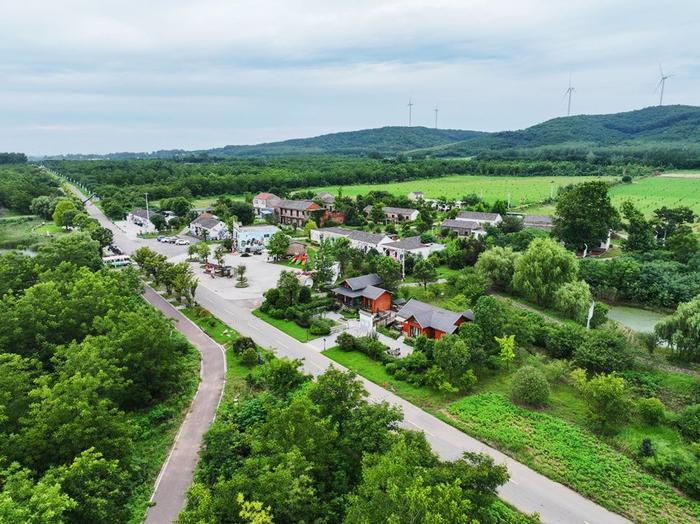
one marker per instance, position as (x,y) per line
(436,115)
(410,107)
(568,93)
(662,84)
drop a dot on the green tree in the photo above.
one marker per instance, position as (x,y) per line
(62,205)
(376,214)
(682,330)
(17,272)
(278,245)
(574,300)
(543,269)
(389,270)
(203,250)
(606,397)
(243,211)
(43,206)
(242,280)
(498,266)
(77,248)
(452,355)
(219,253)
(529,386)
(424,271)
(23,500)
(683,244)
(309,226)
(507,350)
(585,215)
(640,232)
(603,350)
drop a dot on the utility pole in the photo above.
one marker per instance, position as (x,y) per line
(148,215)
(410,108)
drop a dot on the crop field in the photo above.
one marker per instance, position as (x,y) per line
(522,190)
(672,190)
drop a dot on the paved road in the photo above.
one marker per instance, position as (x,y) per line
(527,490)
(176,473)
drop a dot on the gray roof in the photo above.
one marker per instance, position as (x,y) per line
(477,215)
(361,282)
(433,317)
(347,292)
(336,230)
(364,236)
(301,205)
(395,210)
(141,213)
(460,224)
(538,219)
(407,243)
(373,292)
(326,197)
(206,221)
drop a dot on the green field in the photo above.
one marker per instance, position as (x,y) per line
(522,190)
(652,193)
(26,232)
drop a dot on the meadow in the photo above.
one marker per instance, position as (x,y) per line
(522,190)
(652,193)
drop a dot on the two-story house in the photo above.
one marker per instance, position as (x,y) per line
(295,212)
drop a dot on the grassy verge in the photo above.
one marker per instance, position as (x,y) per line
(157,427)
(572,456)
(289,327)
(551,442)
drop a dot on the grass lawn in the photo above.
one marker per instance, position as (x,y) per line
(522,190)
(654,192)
(26,232)
(289,327)
(436,294)
(574,457)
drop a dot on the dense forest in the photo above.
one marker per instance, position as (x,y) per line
(19,184)
(13,158)
(122,184)
(287,449)
(92,380)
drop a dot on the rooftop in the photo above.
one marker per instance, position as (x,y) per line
(266,196)
(141,213)
(361,282)
(460,224)
(301,205)
(407,243)
(429,316)
(478,216)
(538,219)
(364,236)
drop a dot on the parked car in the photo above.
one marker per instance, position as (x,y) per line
(182,242)
(169,240)
(160,239)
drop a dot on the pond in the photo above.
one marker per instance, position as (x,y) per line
(639,320)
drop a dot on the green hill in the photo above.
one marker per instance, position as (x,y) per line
(677,126)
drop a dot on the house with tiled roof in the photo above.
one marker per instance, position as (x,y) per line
(410,246)
(295,212)
(543,222)
(327,199)
(418,318)
(264,204)
(142,218)
(361,240)
(396,214)
(208,227)
(463,228)
(365,292)
(492,219)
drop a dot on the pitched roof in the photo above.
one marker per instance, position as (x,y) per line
(429,316)
(460,224)
(364,236)
(399,210)
(361,282)
(326,197)
(207,220)
(266,196)
(477,215)
(538,219)
(141,213)
(336,230)
(373,292)
(301,205)
(407,243)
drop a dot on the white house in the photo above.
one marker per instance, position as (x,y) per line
(252,238)
(412,246)
(396,214)
(361,240)
(142,218)
(464,228)
(209,227)
(491,219)
(264,204)
(544,222)
(415,196)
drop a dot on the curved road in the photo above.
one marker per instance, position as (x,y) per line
(527,490)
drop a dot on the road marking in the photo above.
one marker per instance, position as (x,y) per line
(420,428)
(518,484)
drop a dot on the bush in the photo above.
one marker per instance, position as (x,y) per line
(529,386)
(320,326)
(689,422)
(651,410)
(563,339)
(279,314)
(241,344)
(304,295)
(346,342)
(249,357)
(604,351)
(646,449)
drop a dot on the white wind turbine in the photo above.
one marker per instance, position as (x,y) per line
(661,84)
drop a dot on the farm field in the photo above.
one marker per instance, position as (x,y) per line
(522,190)
(654,192)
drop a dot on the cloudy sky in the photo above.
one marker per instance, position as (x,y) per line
(140,75)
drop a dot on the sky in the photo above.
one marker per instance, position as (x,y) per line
(141,75)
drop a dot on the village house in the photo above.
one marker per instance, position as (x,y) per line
(254,238)
(295,212)
(463,228)
(491,219)
(418,318)
(327,200)
(396,214)
(364,292)
(264,204)
(543,222)
(412,246)
(142,218)
(361,240)
(415,196)
(209,227)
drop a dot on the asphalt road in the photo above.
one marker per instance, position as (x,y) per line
(527,490)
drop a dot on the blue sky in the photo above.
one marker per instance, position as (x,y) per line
(96,77)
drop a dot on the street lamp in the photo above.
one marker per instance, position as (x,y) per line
(324,343)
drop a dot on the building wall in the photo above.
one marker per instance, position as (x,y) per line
(383,303)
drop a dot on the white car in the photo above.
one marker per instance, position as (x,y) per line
(182,242)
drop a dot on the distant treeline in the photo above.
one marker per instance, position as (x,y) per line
(128,180)
(13,158)
(19,184)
